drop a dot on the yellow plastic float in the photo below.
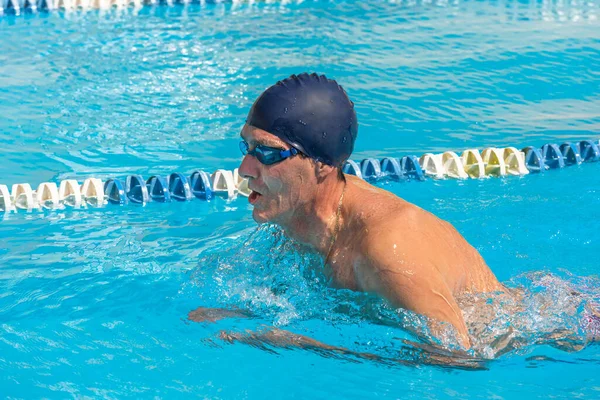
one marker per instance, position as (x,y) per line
(473,163)
(514,161)
(493,159)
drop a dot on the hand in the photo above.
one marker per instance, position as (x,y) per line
(211,315)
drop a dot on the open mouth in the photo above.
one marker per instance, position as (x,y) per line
(254,196)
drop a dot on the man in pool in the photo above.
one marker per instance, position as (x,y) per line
(296,139)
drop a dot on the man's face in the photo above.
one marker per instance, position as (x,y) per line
(277,189)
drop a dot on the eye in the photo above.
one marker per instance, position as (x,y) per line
(244,147)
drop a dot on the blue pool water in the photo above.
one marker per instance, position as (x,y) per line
(93,302)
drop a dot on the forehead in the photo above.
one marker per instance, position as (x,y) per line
(257,136)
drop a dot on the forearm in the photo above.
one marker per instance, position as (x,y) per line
(414,354)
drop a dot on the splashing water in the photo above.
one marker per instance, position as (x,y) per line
(283,284)
(543,308)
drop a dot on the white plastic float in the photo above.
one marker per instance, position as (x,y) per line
(46,195)
(432,166)
(92,192)
(439,166)
(69,193)
(22,196)
(223,183)
(5,199)
(453,166)
(241,184)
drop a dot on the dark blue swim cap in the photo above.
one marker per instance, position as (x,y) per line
(312,114)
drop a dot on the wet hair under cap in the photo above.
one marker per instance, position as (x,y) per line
(312,114)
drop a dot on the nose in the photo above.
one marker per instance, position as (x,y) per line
(248,168)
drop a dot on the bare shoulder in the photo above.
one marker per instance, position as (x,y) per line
(383,216)
(396,232)
(389,226)
(378,204)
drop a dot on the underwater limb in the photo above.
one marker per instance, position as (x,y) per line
(562,339)
(279,338)
(435,355)
(211,315)
(592,324)
(507,342)
(569,340)
(267,339)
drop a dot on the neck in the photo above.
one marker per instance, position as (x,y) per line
(314,222)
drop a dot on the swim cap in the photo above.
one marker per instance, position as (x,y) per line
(312,114)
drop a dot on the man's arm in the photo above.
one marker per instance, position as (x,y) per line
(407,279)
(411,354)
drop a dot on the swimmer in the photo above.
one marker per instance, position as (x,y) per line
(296,139)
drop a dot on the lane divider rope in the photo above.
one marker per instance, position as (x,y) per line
(471,164)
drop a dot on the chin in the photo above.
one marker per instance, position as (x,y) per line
(259,217)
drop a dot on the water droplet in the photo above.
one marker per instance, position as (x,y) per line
(285,110)
(344,139)
(324,135)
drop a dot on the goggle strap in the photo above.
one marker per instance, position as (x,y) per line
(288,153)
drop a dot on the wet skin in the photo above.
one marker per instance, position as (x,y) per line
(385,245)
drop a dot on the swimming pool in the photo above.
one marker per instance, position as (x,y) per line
(93,302)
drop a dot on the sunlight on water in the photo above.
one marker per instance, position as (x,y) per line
(94,302)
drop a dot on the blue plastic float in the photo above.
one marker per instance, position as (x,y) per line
(589,151)
(179,187)
(552,156)
(115,192)
(158,189)
(200,185)
(411,168)
(570,153)
(352,168)
(534,160)
(136,190)
(370,168)
(390,167)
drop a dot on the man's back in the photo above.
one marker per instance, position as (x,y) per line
(407,255)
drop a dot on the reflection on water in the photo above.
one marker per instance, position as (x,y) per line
(94,302)
(424,76)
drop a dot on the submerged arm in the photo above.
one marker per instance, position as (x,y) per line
(413,354)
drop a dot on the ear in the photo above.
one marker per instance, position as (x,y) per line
(323,170)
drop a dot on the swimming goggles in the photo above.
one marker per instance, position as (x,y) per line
(267,155)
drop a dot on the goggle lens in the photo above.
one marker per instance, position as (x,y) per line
(267,155)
